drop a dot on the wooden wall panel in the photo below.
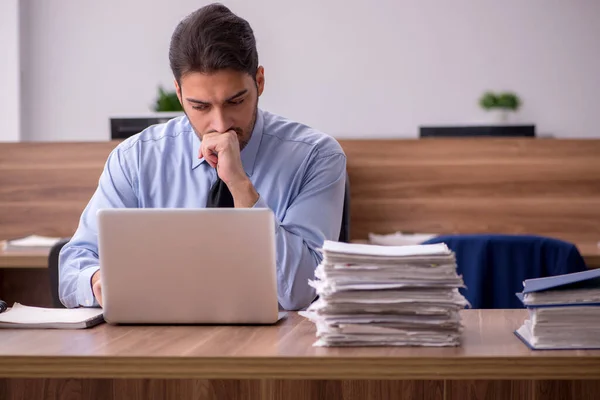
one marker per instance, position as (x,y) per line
(45,186)
(569,219)
(40,218)
(59,219)
(541,186)
(56,185)
(49,155)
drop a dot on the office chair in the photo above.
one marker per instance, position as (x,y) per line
(494,266)
(53,270)
(345,229)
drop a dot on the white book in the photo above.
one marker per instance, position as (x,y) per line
(25,317)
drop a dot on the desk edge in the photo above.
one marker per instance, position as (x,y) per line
(575,367)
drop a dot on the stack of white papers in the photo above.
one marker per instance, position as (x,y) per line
(29,243)
(373,295)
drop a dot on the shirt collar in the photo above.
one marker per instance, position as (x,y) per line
(249,153)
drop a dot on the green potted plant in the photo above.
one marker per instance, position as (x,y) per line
(500,105)
(167,102)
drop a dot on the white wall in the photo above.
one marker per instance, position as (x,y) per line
(350,68)
(10,92)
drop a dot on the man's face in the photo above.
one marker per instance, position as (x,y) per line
(221,101)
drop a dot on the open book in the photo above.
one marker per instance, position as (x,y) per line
(20,316)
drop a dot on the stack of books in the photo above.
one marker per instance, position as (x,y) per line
(371,295)
(564,311)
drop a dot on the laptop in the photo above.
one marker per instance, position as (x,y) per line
(188,266)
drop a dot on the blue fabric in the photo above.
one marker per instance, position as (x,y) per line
(494,266)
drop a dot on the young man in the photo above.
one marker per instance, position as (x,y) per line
(225,152)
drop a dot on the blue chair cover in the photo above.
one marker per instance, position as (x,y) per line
(494,266)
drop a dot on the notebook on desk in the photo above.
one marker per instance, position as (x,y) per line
(564,312)
(24,317)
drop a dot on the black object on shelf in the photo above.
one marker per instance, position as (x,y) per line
(478,131)
(122,128)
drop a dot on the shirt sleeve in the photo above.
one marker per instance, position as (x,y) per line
(78,259)
(315,215)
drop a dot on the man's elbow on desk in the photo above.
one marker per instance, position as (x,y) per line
(298,299)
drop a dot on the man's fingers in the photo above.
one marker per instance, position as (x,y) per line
(98,292)
(208,150)
(216,143)
(232,134)
(210,158)
(213,160)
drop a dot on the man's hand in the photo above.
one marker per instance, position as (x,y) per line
(222,151)
(97,287)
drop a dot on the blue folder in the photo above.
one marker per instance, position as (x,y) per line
(579,280)
(590,278)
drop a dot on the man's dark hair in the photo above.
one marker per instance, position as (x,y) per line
(210,39)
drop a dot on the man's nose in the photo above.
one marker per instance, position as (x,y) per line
(220,121)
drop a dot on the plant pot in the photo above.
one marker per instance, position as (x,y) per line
(500,116)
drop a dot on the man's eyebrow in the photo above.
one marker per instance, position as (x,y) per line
(238,94)
(197,101)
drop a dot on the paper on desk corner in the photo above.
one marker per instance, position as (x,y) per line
(33,241)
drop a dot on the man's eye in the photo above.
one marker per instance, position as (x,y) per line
(236,102)
(200,107)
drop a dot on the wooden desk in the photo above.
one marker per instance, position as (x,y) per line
(30,259)
(24,278)
(273,361)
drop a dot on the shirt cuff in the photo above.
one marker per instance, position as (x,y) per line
(85,295)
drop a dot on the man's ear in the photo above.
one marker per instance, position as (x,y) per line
(260,80)
(178,91)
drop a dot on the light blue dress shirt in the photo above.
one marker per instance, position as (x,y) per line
(298,172)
